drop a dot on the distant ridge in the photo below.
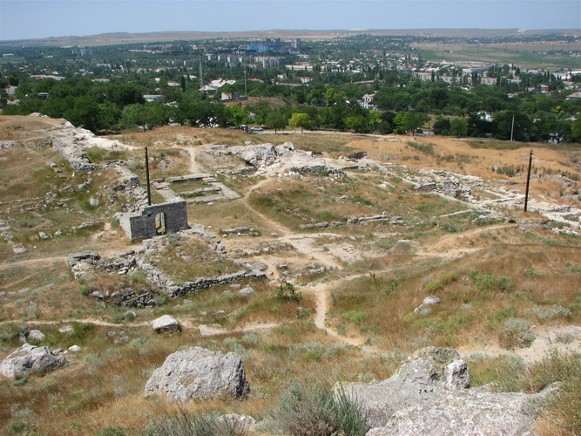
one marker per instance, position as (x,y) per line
(135,38)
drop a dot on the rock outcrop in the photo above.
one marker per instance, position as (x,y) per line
(429,395)
(29,359)
(198,373)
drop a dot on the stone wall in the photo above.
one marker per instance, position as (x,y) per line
(144,226)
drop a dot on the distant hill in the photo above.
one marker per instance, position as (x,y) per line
(132,38)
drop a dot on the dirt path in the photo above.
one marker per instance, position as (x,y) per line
(454,245)
(32,262)
(562,339)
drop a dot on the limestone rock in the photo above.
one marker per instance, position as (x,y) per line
(429,395)
(29,359)
(66,330)
(74,348)
(165,323)
(248,290)
(35,335)
(198,373)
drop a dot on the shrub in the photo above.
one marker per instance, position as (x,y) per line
(441,282)
(173,238)
(184,424)
(288,292)
(138,276)
(517,333)
(551,312)
(316,410)
(355,316)
(486,285)
(111,431)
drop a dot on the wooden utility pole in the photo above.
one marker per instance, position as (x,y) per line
(512,130)
(528,180)
(147,177)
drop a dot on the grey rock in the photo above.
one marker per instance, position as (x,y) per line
(19,249)
(66,330)
(42,235)
(74,348)
(424,309)
(429,395)
(242,424)
(432,299)
(198,373)
(165,323)
(98,295)
(29,359)
(35,335)
(248,290)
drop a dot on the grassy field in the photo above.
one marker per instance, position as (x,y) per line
(550,55)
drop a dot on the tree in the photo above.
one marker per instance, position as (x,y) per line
(276,120)
(109,116)
(300,120)
(375,119)
(576,130)
(357,123)
(236,115)
(134,115)
(442,126)
(408,121)
(459,127)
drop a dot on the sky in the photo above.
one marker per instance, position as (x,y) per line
(26,19)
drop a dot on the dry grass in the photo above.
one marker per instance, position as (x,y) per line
(483,276)
(477,294)
(187,258)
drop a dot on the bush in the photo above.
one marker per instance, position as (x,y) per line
(111,431)
(486,285)
(288,292)
(517,333)
(355,316)
(184,424)
(551,312)
(173,238)
(318,411)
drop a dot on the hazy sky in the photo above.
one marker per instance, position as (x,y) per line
(21,19)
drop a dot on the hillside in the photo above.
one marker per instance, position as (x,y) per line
(338,238)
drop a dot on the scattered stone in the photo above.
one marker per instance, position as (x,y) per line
(74,348)
(241,424)
(42,235)
(247,291)
(29,359)
(19,249)
(66,330)
(36,335)
(165,323)
(97,294)
(198,373)
(432,299)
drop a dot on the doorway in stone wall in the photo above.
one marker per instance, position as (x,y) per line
(160,228)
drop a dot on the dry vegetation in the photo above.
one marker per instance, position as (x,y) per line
(353,321)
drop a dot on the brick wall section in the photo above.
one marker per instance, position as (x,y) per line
(143,226)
